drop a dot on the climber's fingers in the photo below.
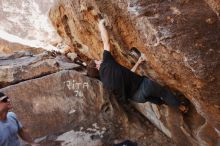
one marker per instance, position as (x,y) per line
(102,21)
(142,58)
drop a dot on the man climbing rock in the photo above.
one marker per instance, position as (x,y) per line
(127,84)
(10,127)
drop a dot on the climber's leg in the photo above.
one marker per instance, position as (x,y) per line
(155,93)
(156,90)
(143,94)
(155,100)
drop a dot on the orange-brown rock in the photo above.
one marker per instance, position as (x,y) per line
(181,42)
(215,5)
(69,102)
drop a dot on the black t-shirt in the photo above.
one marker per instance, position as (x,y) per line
(117,78)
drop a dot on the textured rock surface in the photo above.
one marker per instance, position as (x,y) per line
(24,65)
(215,5)
(9,48)
(69,102)
(181,42)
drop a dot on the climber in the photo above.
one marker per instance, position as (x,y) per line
(125,83)
(10,127)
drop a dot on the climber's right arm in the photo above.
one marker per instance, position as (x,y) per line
(104,35)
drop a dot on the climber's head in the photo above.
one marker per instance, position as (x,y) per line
(93,68)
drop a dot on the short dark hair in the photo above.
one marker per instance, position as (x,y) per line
(92,71)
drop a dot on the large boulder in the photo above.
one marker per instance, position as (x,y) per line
(70,108)
(181,42)
(7,47)
(24,65)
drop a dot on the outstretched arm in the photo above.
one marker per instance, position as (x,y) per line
(104,35)
(140,60)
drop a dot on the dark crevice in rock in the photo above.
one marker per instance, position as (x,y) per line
(66,26)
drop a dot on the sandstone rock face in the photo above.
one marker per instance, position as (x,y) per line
(215,5)
(24,65)
(69,102)
(181,42)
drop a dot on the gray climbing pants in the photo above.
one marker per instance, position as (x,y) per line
(150,91)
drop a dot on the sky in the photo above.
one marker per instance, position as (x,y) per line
(26,22)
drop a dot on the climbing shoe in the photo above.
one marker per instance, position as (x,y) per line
(184,105)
